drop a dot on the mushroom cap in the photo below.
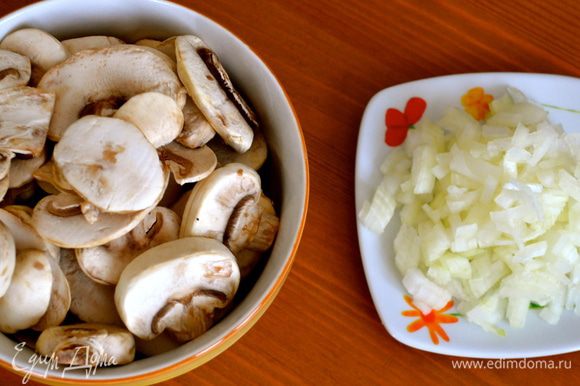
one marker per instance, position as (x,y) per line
(157,116)
(109,162)
(90,42)
(7,258)
(213,200)
(22,170)
(188,165)
(20,226)
(208,95)
(43,49)
(14,69)
(61,222)
(91,302)
(196,130)
(105,263)
(28,296)
(120,71)
(193,277)
(25,114)
(87,343)
(254,157)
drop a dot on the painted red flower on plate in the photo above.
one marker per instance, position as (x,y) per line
(398,123)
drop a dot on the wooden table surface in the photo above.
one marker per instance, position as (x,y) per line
(332,56)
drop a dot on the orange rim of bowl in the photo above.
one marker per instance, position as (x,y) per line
(241,328)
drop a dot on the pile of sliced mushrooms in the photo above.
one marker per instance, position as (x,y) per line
(126,223)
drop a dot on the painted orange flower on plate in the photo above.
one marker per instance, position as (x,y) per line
(476,102)
(432,320)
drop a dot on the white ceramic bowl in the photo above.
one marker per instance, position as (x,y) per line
(288,172)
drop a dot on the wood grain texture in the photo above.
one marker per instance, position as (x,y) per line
(332,56)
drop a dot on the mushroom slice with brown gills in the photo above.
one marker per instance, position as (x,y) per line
(91,302)
(166,46)
(14,69)
(214,199)
(158,117)
(211,90)
(38,295)
(188,165)
(59,219)
(22,170)
(196,129)
(90,43)
(254,157)
(110,164)
(7,258)
(87,343)
(105,263)
(43,49)
(19,223)
(116,73)
(250,232)
(193,276)
(25,114)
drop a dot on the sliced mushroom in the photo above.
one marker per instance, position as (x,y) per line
(4,182)
(243,224)
(87,344)
(214,199)
(264,237)
(25,113)
(196,129)
(7,258)
(188,165)
(105,263)
(116,72)
(193,278)
(22,170)
(59,219)
(19,223)
(14,69)
(110,163)
(254,157)
(90,42)
(45,178)
(5,161)
(43,49)
(157,116)
(60,299)
(91,302)
(196,66)
(59,181)
(251,231)
(166,46)
(30,298)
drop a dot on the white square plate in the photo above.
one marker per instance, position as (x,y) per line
(537,338)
